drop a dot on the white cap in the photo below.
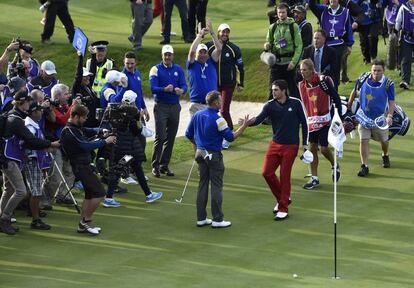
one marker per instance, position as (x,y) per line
(123,80)
(49,67)
(167,49)
(86,72)
(129,96)
(113,76)
(223,26)
(307,157)
(201,46)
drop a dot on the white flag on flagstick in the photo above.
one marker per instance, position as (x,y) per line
(336,135)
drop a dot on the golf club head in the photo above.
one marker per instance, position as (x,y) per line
(179,200)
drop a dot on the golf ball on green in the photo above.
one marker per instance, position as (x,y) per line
(295,275)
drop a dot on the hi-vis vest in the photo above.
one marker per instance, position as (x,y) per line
(99,80)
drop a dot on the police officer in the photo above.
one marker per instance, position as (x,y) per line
(77,147)
(99,65)
(15,133)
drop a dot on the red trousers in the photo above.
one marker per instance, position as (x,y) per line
(226,96)
(159,11)
(282,155)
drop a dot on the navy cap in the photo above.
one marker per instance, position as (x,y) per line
(15,84)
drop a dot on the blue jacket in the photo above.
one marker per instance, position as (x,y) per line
(208,129)
(134,84)
(161,76)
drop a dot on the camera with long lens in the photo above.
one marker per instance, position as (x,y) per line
(27,47)
(85,99)
(120,169)
(117,113)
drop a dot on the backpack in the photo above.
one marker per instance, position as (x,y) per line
(291,29)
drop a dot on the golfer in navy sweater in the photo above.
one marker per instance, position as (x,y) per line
(287,114)
(207,130)
(167,81)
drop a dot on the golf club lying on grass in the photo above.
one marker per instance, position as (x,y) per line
(186,183)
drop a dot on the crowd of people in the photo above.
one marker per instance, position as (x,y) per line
(54,134)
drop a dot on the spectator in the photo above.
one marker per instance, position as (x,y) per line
(403,23)
(284,41)
(230,72)
(369,29)
(182,8)
(167,83)
(59,8)
(305,28)
(196,9)
(324,57)
(142,15)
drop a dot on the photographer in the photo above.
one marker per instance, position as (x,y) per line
(46,80)
(128,143)
(82,86)
(4,59)
(61,109)
(15,133)
(77,148)
(12,87)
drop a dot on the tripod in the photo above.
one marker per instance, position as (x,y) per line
(63,181)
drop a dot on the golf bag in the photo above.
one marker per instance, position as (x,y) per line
(392,51)
(400,121)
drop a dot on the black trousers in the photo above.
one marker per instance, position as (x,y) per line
(196,9)
(59,9)
(368,38)
(280,72)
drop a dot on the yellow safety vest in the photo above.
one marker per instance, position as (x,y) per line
(99,81)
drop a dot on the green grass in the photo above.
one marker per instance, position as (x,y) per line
(158,245)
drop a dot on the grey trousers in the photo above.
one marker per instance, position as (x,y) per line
(210,171)
(14,190)
(167,118)
(141,21)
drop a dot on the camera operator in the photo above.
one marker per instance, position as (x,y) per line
(82,86)
(46,80)
(25,53)
(61,109)
(128,143)
(77,148)
(15,133)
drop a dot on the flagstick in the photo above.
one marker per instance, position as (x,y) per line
(335,182)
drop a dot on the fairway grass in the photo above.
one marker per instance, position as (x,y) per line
(159,245)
